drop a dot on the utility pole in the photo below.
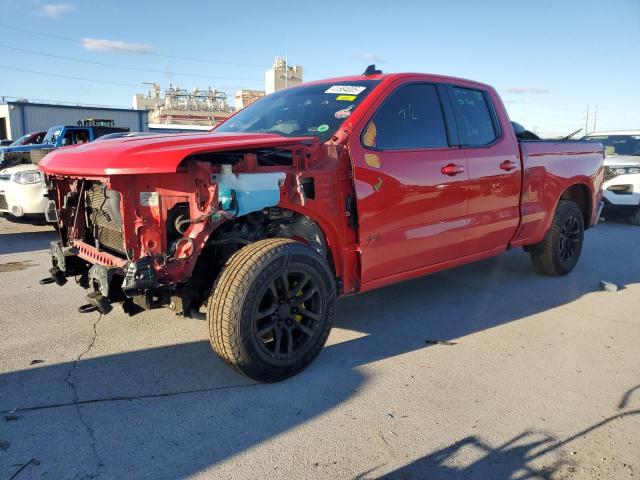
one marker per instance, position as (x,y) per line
(595,118)
(586,122)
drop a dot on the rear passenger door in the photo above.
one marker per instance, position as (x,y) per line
(410,183)
(494,169)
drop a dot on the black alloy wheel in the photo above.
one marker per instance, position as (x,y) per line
(288,313)
(569,239)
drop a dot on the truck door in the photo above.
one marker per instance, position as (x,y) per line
(411,185)
(494,170)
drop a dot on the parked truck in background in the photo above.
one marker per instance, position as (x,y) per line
(56,137)
(324,189)
(22,189)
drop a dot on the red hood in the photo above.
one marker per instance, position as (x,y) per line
(153,154)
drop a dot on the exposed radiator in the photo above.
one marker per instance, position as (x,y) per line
(103,223)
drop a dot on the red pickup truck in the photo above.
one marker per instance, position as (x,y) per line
(324,189)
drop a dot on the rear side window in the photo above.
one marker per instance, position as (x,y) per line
(410,118)
(473,117)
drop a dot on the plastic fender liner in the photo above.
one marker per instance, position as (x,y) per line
(308,231)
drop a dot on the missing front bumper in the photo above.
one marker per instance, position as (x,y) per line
(133,284)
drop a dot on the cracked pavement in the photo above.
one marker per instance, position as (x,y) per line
(76,399)
(484,371)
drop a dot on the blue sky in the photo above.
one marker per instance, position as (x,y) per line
(548,59)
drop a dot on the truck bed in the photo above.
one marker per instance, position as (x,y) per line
(550,167)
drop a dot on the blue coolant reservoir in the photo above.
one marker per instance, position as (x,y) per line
(256,191)
(253,191)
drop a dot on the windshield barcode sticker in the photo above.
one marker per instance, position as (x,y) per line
(346,89)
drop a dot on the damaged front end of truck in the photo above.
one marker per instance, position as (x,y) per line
(148,224)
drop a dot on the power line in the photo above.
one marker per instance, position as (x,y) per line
(70,77)
(93,80)
(59,102)
(585,117)
(131,50)
(104,64)
(610,109)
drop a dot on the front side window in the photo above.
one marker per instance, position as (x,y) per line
(410,118)
(473,117)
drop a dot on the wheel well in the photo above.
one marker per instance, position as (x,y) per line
(579,193)
(274,222)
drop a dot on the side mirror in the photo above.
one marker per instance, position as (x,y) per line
(66,142)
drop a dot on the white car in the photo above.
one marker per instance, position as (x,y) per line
(621,170)
(22,191)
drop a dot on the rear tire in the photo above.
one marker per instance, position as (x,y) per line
(272,309)
(560,250)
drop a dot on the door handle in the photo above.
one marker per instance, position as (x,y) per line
(508,165)
(452,169)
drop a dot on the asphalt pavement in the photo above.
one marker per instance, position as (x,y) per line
(485,371)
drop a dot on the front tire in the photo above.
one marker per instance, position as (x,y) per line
(560,250)
(272,309)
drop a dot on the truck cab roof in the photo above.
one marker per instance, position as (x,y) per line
(385,77)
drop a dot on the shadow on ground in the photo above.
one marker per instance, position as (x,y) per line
(170,412)
(26,241)
(512,459)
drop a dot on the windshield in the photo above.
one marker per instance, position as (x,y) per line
(52,135)
(20,141)
(618,144)
(309,110)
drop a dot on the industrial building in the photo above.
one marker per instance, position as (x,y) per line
(182,108)
(21,117)
(174,110)
(279,76)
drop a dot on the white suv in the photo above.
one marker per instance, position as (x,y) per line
(22,191)
(621,170)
